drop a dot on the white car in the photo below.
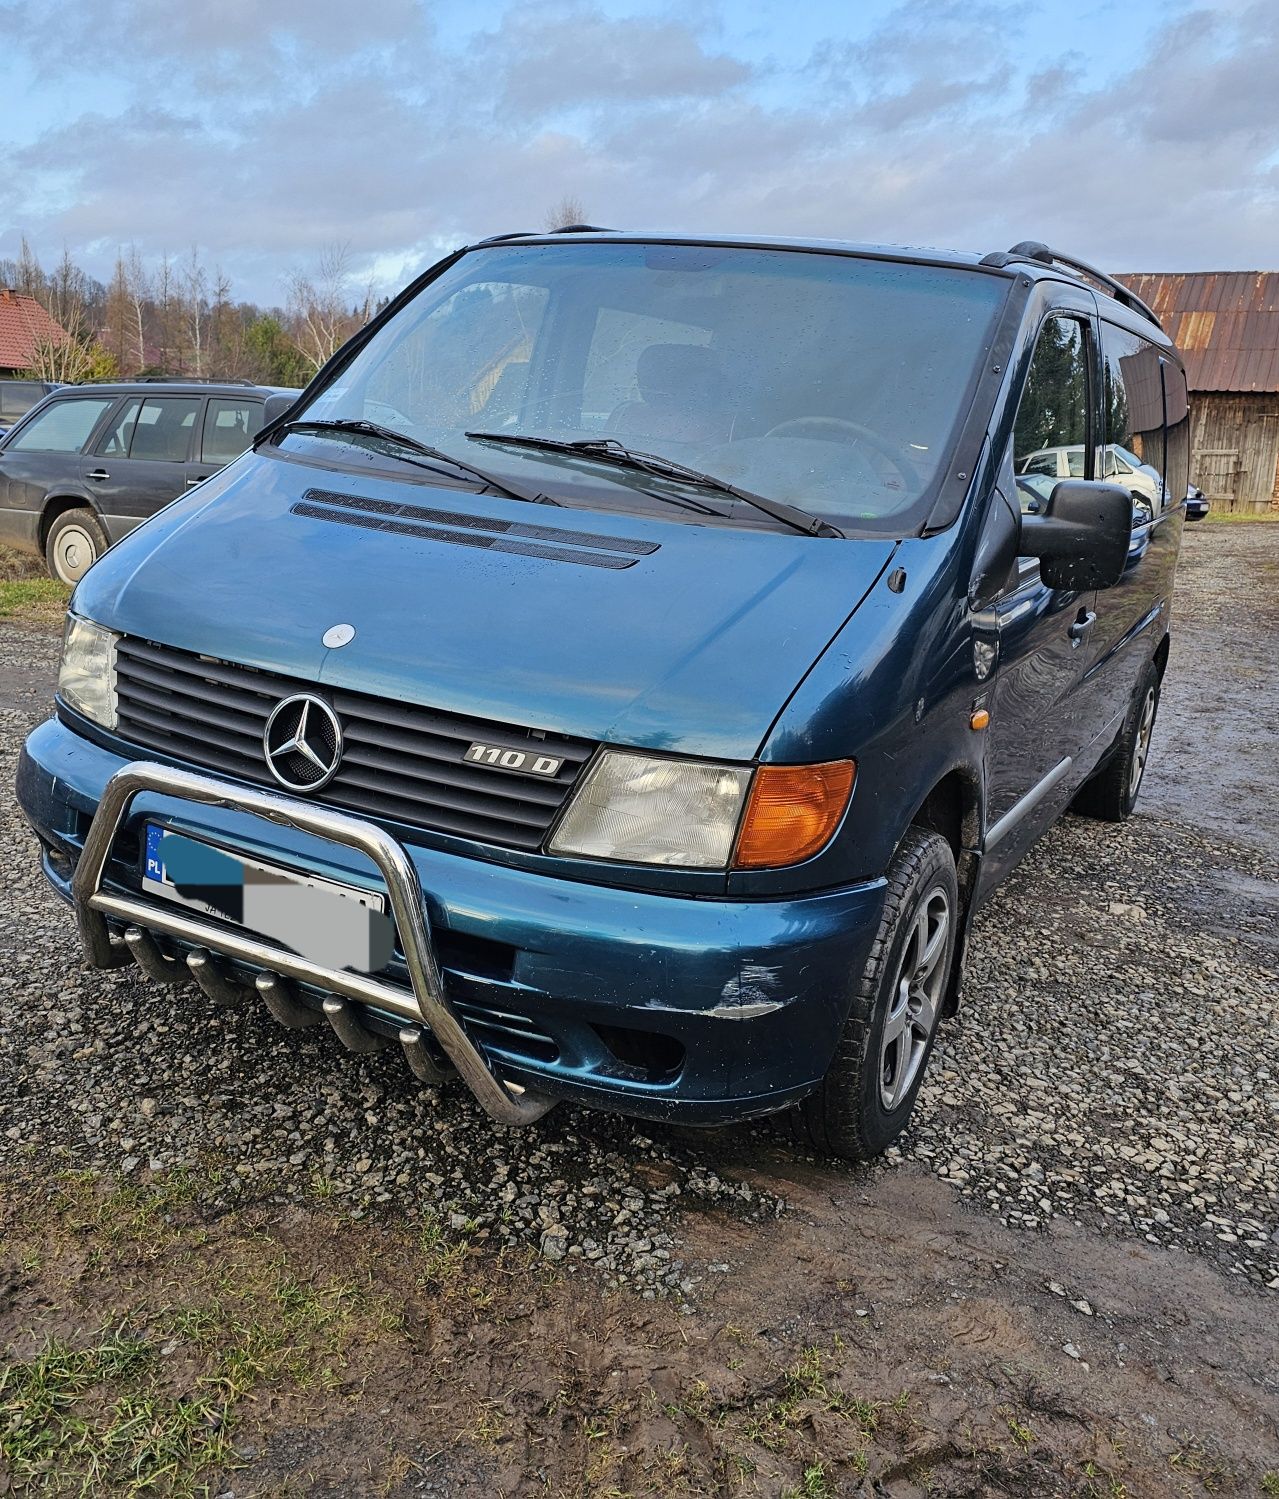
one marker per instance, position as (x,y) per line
(1121,465)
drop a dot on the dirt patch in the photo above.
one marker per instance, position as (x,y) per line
(1212,763)
(893,1349)
(235,1261)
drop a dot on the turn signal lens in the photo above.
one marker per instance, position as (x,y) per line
(791,812)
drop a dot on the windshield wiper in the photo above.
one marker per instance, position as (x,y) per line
(609,450)
(359,427)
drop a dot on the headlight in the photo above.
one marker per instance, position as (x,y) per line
(695,814)
(86,679)
(644,810)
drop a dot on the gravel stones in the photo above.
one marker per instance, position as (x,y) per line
(1115,1062)
(1117,1069)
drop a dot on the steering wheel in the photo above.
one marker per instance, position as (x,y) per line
(850,432)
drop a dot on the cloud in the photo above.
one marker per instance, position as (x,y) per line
(265,135)
(551,59)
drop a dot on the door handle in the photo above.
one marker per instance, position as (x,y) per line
(1085,621)
(199,479)
(98,473)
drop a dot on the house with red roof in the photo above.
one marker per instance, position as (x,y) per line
(25,327)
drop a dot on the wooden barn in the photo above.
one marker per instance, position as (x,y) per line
(1226,324)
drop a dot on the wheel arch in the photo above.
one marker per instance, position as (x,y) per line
(1160,657)
(953,808)
(58,504)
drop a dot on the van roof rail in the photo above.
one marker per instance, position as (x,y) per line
(501,239)
(1032,250)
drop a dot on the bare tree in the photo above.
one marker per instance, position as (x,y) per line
(566,213)
(221,356)
(138,285)
(319,303)
(116,323)
(162,295)
(72,352)
(195,283)
(29,281)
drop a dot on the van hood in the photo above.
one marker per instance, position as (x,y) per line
(634,629)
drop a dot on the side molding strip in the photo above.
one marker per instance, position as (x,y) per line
(1028,803)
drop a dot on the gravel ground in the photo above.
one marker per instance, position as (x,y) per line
(113,1072)
(1116,1063)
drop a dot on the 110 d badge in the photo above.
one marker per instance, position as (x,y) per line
(519,762)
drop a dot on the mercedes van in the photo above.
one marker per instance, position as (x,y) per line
(623,671)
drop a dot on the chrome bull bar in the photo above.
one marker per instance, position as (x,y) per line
(426,1004)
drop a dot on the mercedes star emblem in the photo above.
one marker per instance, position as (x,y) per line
(302,742)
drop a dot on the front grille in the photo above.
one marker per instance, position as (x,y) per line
(401,762)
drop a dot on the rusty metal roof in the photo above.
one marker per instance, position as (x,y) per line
(1226,324)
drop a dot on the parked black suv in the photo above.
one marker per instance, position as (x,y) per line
(17,397)
(89,462)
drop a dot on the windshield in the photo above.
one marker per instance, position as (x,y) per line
(823,381)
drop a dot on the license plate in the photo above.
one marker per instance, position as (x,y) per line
(334,925)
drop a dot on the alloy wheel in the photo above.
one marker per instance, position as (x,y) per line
(1141,749)
(915,1004)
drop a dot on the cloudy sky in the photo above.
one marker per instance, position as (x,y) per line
(1142,134)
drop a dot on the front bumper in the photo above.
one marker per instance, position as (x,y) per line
(536,988)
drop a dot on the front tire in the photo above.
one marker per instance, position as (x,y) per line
(75,542)
(866,1097)
(1111,794)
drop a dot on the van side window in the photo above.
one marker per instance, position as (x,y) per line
(1133,406)
(1051,432)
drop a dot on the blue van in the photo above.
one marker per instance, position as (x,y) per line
(624,670)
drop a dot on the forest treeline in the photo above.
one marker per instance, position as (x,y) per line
(167,315)
(179,316)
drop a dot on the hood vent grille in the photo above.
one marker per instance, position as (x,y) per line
(585,548)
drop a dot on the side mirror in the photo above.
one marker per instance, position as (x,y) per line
(1083,536)
(276,405)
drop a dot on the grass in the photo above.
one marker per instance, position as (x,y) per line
(802,1392)
(200,1331)
(99,1416)
(1217,517)
(39,600)
(812,1485)
(1198,1460)
(26,591)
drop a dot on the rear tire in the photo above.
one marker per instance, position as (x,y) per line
(75,542)
(1111,794)
(866,1097)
